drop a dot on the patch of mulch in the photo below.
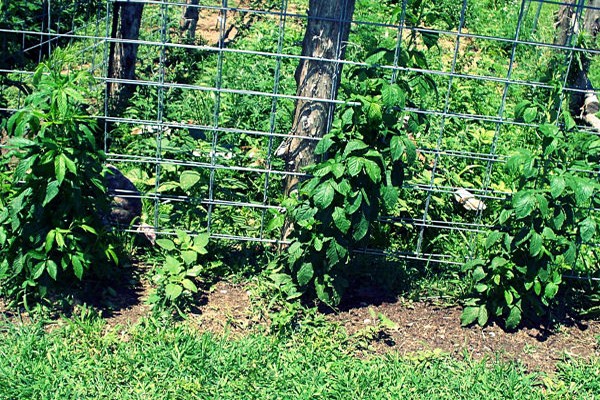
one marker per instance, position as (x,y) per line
(415,328)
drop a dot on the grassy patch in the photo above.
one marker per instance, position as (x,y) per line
(83,359)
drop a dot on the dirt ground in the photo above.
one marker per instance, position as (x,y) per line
(412,329)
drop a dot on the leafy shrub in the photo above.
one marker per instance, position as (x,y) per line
(174,279)
(542,228)
(335,211)
(50,222)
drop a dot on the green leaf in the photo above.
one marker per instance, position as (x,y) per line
(390,197)
(396,148)
(529,114)
(354,165)
(351,208)
(51,192)
(411,151)
(557,185)
(173,291)
(189,256)
(469,315)
(201,241)
(77,266)
(52,268)
(373,170)
(323,195)
(493,238)
(514,317)
(478,274)
(549,130)
(305,274)
(353,146)
(60,168)
(524,203)
(508,297)
(374,113)
(324,144)
(587,229)
(166,244)
(583,189)
(535,243)
(188,179)
(340,220)
(361,228)
(482,316)
(189,285)
(550,290)
(392,95)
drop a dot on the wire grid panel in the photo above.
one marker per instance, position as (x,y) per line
(213,102)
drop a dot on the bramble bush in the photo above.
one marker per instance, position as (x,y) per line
(541,229)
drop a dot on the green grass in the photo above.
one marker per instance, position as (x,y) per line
(83,359)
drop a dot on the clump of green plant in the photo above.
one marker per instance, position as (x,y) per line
(51,229)
(365,157)
(175,277)
(541,229)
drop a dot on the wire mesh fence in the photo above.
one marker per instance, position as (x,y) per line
(214,97)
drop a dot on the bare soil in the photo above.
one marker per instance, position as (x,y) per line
(413,329)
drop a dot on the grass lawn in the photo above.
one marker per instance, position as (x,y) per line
(82,358)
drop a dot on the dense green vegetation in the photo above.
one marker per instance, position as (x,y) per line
(429,116)
(83,359)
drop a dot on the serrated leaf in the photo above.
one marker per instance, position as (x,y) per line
(189,256)
(390,197)
(587,229)
(60,168)
(354,165)
(493,238)
(411,151)
(323,195)
(478,274)
(529,114)
(351,208)
(340,220)
(469,315)
(535,243)
(361,228)
(173,291)
(373,170)
(557,185)
(188,179)
(396,148)
(51,192)
(305,274)
(166,244)
(392,95)
(524,202)
(353,146)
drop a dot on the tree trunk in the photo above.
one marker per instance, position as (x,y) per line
(325,39)
(583,102)
(189,19)
(127,18)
